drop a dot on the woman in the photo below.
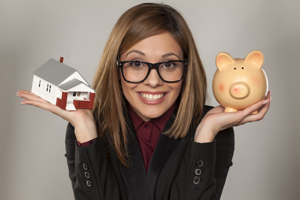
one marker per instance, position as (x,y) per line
(150,135)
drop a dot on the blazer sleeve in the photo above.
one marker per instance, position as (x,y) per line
(224,155)
(204,169)
(89,170)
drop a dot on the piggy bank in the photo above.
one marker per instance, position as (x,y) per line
(239,83)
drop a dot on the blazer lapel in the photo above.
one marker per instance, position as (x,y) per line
(141,184)
(136,173)
(161,154)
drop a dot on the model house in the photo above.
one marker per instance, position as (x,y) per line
(63,86)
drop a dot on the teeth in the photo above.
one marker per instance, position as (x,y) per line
(151,97)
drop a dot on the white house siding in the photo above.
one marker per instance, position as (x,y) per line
(41,91)
(84,93)
(71,98)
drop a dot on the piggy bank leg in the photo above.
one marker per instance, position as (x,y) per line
(227,109)
(255,112)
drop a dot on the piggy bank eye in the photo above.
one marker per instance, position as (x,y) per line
(235,68)
(242,67)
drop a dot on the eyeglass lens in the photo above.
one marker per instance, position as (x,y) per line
(136,71)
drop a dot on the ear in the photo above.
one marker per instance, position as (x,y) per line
(223,59)
(255,57)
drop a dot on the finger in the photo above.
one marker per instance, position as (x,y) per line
(255,107)
(256,117)
(268,95)
(30,96)
(24,92)
(49,107)
(220,109)
(243,116)
(262,112)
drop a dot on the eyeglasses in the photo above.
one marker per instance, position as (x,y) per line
(137,71)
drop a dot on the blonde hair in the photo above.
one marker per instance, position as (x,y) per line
(136,24)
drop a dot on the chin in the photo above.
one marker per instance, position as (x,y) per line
(151,112)
(152,115)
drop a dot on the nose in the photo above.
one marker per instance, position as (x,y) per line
(153,79)
(239,90)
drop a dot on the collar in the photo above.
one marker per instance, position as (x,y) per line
(160,122)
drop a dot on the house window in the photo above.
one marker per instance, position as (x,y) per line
(74,94)
(48,88)
(40,81)
(78,94)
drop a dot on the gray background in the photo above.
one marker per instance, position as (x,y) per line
(32,163)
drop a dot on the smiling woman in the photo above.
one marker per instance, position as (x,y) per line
(153,96)
(150,136)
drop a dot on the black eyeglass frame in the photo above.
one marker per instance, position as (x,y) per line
(153,66)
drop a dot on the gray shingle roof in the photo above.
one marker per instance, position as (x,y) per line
(70,84)
(54,72)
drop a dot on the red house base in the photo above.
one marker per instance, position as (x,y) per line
(62,103)
(85,104)
(78,104)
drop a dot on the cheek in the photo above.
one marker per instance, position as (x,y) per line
(127,88)
(221,87)
(256,80)
(174,92)
(177,88)
(123,86)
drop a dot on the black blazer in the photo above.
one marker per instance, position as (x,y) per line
(179,169)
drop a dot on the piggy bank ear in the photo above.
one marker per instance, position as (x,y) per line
(223,59)
(255,57)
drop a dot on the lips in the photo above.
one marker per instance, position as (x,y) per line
(152,98)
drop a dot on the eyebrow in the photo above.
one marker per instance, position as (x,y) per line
(135,51)
(170,54)
(141,53)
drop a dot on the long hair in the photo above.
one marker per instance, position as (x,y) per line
(136,24)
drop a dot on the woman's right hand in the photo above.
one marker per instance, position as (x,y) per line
(81,119)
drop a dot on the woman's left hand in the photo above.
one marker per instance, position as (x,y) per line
(217,120)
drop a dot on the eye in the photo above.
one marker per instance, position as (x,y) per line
(235,68)
(168,65)
(136,64)
(242,67)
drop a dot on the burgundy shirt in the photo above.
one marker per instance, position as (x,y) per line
(147,132)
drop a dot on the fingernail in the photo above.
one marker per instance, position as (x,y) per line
(18,94)
(265,102)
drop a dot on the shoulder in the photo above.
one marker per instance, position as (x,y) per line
(206,108)
(70,134)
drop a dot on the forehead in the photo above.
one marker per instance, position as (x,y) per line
(156,45)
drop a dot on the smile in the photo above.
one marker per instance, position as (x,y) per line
(152,97)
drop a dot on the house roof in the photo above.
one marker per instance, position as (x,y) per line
(71,84)
(54,72)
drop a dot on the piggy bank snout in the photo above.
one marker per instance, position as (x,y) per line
(239,90)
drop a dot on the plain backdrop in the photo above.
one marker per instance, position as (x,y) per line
(32,163)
